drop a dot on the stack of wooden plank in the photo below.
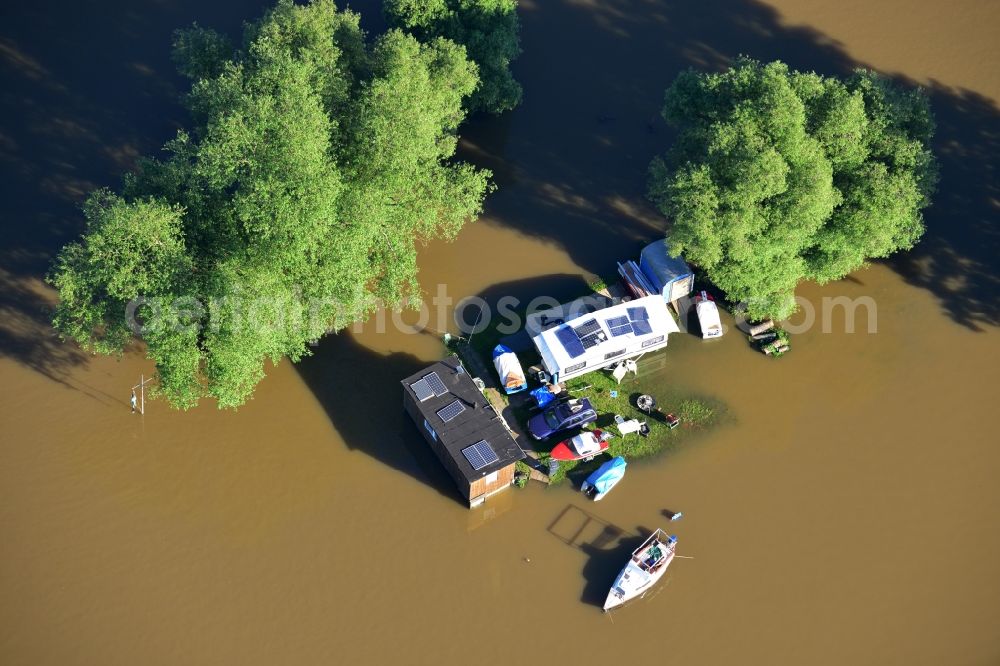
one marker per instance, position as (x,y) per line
(769,339)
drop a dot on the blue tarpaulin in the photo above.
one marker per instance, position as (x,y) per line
(607,475)
(543,396)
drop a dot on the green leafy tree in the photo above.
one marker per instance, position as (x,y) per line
(780,176)
(315,165)
(487,28)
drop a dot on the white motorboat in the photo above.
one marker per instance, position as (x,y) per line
(604,478)
(708,316)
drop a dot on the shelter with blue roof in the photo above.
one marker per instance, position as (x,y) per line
(669,276)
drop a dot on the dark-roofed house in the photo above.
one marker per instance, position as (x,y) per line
(461,426)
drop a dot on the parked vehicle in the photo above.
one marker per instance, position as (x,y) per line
(563,415)
(646,566)
(583,446)
(708,315)
(509,368)
(604,478)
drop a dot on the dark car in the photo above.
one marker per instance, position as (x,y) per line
(563,415)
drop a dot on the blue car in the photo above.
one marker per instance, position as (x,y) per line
(563,415)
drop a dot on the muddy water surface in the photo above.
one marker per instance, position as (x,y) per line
(845,513)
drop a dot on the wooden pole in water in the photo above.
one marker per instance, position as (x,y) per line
(142,392)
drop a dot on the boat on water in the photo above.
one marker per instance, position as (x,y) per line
(604,478)
(646,566)
(584,446)
(509,368)
(708,316)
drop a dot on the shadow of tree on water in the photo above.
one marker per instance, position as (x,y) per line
(540,293)
(360,391)
(575,153)
(26,333)
(958,259)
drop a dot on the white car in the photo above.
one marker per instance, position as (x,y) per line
(708,316)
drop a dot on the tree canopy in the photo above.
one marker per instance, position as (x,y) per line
(487,28)
(315,164)
(779,176)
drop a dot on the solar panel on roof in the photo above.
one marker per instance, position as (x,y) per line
(592,340)
(448,412)
(588,327)
(480,454)
(422,389)
(642,327)
(618,326)
(435,383)
(636,314)
(570,342)
(624,329)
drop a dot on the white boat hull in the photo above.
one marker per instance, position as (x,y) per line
(634,580)
(708,317)
(597,497)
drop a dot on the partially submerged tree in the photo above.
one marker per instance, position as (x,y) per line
(315,165)
(487,28)
(780,176)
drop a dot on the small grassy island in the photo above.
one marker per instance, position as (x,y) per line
(695,413)
(608,398)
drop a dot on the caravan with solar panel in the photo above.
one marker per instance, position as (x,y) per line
(573,347)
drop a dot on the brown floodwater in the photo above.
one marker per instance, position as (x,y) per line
(845,512)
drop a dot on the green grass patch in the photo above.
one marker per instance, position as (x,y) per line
(695,414)
(600,283)
(522,472)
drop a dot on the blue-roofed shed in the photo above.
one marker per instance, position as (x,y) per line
(671,276)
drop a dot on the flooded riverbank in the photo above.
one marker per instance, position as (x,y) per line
(845,515)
